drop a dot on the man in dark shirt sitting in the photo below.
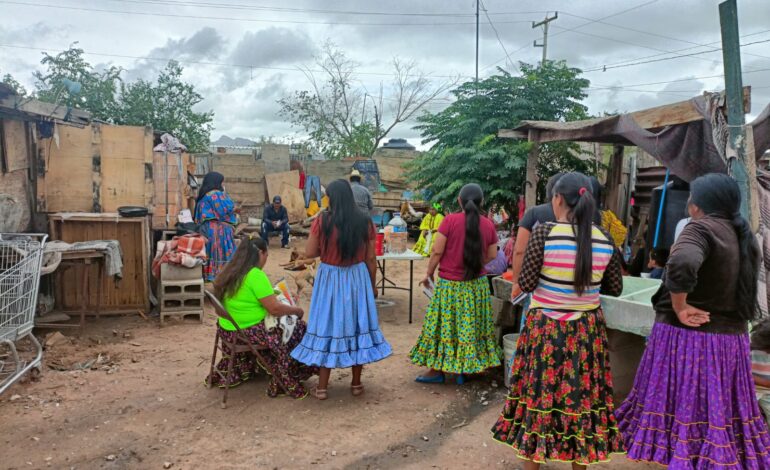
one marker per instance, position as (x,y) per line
(276,219)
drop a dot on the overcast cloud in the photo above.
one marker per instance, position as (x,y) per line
(245,55)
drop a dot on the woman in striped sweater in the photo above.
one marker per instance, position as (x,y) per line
(560,403)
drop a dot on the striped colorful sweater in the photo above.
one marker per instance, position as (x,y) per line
(548,271)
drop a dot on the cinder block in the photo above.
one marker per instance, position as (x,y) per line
(181,303)
(173,272)
(181,288)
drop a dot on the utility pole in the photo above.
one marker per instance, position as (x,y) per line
(731,54)
(477,46)
(544,24)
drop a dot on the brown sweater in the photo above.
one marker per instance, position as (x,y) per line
(704,264)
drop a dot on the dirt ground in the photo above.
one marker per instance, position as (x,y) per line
(125,393)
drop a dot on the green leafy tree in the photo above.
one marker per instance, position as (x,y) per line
(15,85)
(99,91)
(167,103)
(465,147)
(341,118)
(167,106)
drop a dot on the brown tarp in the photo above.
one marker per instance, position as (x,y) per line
(687,149)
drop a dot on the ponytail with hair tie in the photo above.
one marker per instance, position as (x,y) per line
(573,187)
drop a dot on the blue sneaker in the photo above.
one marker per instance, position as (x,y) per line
(436,379)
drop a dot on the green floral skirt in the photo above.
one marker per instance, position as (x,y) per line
(458,333)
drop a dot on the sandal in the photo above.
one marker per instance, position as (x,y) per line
(357,390)
(320,393)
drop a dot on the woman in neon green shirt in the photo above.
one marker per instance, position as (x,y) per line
(247,295)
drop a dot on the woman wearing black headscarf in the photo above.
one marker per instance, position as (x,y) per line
(216,214)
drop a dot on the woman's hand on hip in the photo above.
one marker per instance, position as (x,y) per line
(692,316)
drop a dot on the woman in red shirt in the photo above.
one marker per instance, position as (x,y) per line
(458,333)
(343,328)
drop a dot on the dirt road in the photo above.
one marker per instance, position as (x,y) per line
(127,394)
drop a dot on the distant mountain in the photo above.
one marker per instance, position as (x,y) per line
(226,141)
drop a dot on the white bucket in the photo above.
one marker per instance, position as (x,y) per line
(509,350)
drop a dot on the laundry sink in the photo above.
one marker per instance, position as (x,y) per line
(632,312)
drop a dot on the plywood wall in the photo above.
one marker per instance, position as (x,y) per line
(15,185)
(102,167)
(131,293)
(125,152)
(72,173)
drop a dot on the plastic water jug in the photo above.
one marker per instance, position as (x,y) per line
(397,241)
(397,223)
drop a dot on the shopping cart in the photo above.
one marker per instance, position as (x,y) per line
(20,259)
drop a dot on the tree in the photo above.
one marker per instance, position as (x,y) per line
(166,104)
(465,147)
(341,118)
(15,85)
(98,92)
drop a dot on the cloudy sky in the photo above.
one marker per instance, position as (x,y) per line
(243,55)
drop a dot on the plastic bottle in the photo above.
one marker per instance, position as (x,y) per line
(397,243)
(397,223)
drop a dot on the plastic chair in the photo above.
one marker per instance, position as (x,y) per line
(242,344)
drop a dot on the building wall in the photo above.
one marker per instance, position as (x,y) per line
(15,186)
(276,157)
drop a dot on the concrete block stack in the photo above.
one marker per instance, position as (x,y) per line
(181,292)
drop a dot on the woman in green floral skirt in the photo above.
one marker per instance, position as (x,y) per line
(458,331)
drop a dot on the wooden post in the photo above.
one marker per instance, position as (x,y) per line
(731,53)
(530,184)
(614,179)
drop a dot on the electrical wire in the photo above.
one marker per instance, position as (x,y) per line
(223,18)
(486,13)
(608,67)
(649,33)
(621,12)
(207,63)
(231,6)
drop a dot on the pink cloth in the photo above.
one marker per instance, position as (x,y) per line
(451,265)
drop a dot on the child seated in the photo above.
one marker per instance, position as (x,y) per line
(658,259)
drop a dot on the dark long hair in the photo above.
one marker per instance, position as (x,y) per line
(596,190)
(550,184)
(718,195)
(351,224)
(471,198)
(246,257)
(211,181)
(575,188)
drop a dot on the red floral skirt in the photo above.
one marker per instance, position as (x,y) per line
(560,403)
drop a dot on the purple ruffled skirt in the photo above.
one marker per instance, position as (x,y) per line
(342,326)
(693,404)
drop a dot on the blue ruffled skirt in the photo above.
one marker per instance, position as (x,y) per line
(343,329)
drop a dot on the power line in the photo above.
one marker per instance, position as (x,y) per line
(649,33)
(231,6)
(621,12)
(665,82)
(199,62)
(608,67)
(486,13)
(254,20)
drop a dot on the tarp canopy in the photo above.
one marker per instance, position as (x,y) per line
(680,136)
